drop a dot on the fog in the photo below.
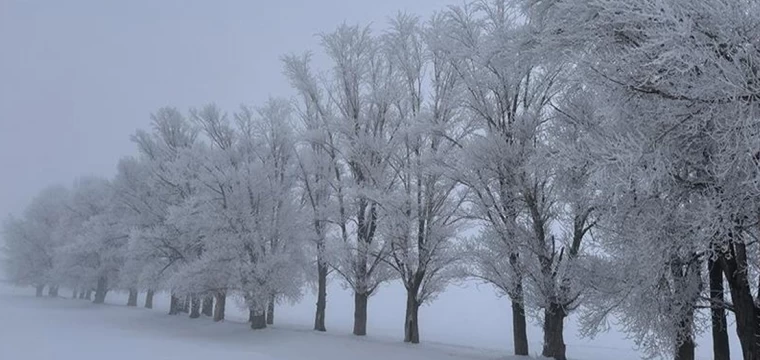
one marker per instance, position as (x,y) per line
(77,78)
(480,184)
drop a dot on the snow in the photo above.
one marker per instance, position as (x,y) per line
(467,322)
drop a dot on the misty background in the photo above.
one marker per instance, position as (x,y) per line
(77,78)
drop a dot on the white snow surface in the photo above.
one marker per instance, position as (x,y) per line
(467,322)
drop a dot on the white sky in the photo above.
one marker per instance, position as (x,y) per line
(78,77)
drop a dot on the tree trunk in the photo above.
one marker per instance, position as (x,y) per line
(81,294)
(270,310)
(88,295)
(132,301)
(319,318)
(519,328)
(554,342)
(258,318)
(411,323)
(721,349)
(195,306)
(735,266)
(207,308)
(360,313)
(174,305)
(53,291)
(149,299)
(74,293)
(685,350)
(101,290)
(39,289)
(219,304)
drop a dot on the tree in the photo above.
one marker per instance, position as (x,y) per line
(679,87)
(510,85)
(317,164)
(31,242)
(95,252)
(157,246)
(358,140)
(423,209)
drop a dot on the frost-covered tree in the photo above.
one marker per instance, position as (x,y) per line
(160,245)
(423,210)
(359,138)
(96,251)
(678,82)
(510,83)
(31,243)
(316,166)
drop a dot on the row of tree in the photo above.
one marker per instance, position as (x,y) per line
(604,151)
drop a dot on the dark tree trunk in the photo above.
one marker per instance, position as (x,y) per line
(219,304)
(519,328)
(81,294)
(74,293)
(195,306)
(53,291)
(685,350)
(88,295)
(519,325)
(258,318)
(721,349)
(735,266)
(39,289)
(270,310)
(132,301)
(554,342)
(149,299)
(207,308)
(319,318)
(101,290)
(411,323)
(174,305)
(360,313)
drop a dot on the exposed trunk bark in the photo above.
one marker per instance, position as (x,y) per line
(39,289)
(258,318)
(207,308)
(735,266)
(149,299)
(360,313)
(101,290)
(554,342)
(174,305)
(88,295)
(53,291)
(81,294)
(721,349)
(519,328)
(219,305)
(132,300)
(270,310)
(685,350)
(319,317)
(195,306)
(411,324)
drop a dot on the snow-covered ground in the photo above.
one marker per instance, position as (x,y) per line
(467,322)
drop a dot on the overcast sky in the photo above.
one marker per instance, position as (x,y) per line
(78,77)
